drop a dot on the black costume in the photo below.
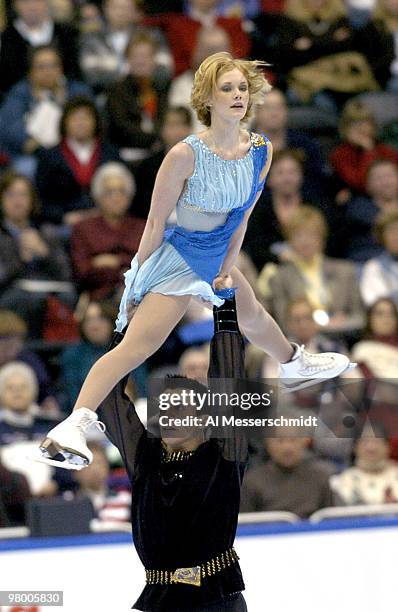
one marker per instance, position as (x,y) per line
(185,505)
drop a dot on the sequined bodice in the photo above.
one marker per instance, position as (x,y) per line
(216,187)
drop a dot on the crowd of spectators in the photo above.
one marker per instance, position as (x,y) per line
(92,97)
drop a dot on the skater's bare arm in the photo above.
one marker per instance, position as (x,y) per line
(237,238)
(177,166)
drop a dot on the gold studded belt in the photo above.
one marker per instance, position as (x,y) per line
(193,575)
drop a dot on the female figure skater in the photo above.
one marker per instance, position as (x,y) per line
(214,180)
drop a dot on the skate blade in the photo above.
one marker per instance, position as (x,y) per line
(310,382)
(53,454)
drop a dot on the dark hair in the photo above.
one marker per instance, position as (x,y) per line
(7,179)
(33,51)
(182,111)
(174,382)
(75,104)
(367,332)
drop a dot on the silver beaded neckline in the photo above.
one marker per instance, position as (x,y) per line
(239,159)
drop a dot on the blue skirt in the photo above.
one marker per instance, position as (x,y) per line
(166,272)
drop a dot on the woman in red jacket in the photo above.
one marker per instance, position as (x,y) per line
(352,158)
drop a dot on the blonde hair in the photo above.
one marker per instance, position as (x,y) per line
(306,216)
(214,66)
(382,14)
(299,10)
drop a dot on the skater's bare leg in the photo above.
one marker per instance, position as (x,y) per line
(255,322)
(153,320)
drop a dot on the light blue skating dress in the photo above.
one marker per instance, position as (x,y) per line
(209,210)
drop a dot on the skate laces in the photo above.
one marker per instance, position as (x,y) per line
(88,421)
(315,362)
(98,424)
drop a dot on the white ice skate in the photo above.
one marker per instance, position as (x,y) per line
(65,445)
(307,369)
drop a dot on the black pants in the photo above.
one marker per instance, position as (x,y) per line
(232,603)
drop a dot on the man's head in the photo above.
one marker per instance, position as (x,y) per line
(180,399)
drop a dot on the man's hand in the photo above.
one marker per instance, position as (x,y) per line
(222,281)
